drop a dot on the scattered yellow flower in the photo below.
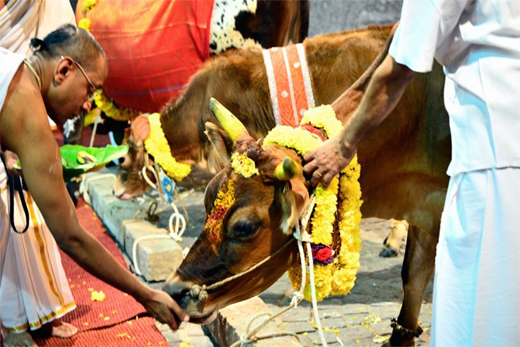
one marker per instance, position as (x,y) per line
(97,296)
(124,335)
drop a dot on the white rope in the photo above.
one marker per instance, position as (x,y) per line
(174,233)
(145,176)
(313,291)
(179,219)
(83,187)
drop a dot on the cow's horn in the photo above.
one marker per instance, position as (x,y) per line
(227,120)
(286,170)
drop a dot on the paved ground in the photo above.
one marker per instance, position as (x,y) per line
(363,316)
(336,15)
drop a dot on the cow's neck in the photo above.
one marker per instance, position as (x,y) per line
(181,124)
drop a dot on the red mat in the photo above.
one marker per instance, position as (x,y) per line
(112,322)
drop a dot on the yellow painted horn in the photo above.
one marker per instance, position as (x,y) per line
(227,120)
(286,170)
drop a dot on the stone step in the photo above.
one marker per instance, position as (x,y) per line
(156,254)
(232,324)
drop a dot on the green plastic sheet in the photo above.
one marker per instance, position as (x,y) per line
(103,155)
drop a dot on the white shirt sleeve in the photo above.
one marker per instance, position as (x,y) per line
(425,31)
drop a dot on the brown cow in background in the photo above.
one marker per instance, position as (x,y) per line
(403,163)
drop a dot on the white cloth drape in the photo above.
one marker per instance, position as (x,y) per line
(21,20)
(477,273)
(34,288)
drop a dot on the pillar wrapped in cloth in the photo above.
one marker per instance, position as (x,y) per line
(153,47)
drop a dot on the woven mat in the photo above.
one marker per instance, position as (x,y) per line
(112,322)
(137,332)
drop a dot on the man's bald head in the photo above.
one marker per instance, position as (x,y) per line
(68,40)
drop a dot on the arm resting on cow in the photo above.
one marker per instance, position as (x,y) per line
(383,93)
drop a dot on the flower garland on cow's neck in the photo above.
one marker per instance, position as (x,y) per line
(335,273)
(103,102)
(157,145)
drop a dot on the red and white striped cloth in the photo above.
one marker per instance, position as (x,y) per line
(289,83)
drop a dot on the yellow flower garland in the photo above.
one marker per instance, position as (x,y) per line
(103,102)
(337,277)
(112,111)
(323,117)
(157,145)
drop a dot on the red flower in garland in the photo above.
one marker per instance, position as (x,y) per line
(323,254)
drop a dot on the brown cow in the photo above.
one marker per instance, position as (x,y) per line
(238,78)
(403,163)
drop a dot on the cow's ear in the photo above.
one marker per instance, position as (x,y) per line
(294,202)
(220,141)
(141,128)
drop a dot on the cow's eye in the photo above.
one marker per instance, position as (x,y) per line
(245,228)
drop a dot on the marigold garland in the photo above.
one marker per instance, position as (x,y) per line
(338,276)
(112,111)
(323,117)
(102,101)
(157,145)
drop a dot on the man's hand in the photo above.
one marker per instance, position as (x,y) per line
(163,308)
(326,162)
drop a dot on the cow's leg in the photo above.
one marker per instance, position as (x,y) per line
(418,267)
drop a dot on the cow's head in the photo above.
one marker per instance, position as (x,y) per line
(249,218)
(130,182)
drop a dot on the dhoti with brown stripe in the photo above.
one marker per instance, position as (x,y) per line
(34,289)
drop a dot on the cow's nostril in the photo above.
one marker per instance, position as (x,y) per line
(177,288)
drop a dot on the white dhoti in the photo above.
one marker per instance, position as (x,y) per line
(477,271)
(34,289)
